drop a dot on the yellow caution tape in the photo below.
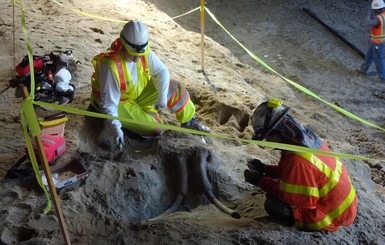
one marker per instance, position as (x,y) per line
(28,116)
(29,112)
(29,49)
(110,19)
(32,157)
(281,146)
(88,14)
(301,88)
(189,12)
(29,119)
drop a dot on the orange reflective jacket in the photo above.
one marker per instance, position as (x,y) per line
(377,32)
(318,189)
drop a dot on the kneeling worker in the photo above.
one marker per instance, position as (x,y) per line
(312,191)
(131,82)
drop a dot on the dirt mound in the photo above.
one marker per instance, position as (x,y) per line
(125,195)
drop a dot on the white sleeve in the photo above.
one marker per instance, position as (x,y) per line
(109,93)
(160,77)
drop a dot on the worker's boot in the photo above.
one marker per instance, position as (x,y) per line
(195,124)
(370,74)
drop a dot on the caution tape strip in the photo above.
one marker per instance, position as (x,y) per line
(299,87)
(111,19)
(281,146)
(29,48)
(256,58)
(27,113)
(33,159)
(89,14)
(29,119)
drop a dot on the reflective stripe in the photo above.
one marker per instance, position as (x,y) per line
(158,120)
(119,66)
(378,34)
(171,92)
(144,64)
(52,142)
(378,37)
(334,176)
(180,102)
(299,189)
(334,179)
(60,149)
(332,214)
(156,116)
(178,97)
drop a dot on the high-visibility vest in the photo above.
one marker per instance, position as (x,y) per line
(318,189)
(377,33)
(114,59)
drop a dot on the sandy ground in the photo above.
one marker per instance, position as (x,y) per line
(121,198)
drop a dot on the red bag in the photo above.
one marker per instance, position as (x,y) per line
(23,68)
(53,145)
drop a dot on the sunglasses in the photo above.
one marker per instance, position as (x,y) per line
(138,48)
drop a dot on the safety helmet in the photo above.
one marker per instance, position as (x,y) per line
(134,37)
(266,117)
(378,4)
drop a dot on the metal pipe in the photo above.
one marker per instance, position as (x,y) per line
(313,15)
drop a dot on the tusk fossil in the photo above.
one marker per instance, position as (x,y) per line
(209,189)
(182,180)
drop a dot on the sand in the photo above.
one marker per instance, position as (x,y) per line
(123,196)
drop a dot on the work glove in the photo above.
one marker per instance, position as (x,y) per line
(252,176)
(118,137)
(256,164)
(161,103)
(160,108)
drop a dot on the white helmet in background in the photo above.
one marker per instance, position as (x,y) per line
(134,37)
(266,117)
(378,4)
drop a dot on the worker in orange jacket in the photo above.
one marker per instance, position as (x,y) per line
(312,191)
(376,49)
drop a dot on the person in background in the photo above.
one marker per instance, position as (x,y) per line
(131,82)
(312,191)
(375,52)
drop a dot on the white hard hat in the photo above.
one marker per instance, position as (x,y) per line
(134,37)
(266,117)
(378,4)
